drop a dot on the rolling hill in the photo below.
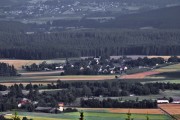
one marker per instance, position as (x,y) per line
(162,18)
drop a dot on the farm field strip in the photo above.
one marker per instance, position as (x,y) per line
(19,63)
(173,109)
(124,110)
(91,116)
(152,74)
(49,79)
(162,81)
(139,75)
(170,68)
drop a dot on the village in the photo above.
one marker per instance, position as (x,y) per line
(101,66)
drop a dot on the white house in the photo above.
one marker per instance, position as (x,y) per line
(163,100)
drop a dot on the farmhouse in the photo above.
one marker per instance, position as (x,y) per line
(61,106)
(23,102)
(162,100)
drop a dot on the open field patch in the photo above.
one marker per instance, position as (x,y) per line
(19,63)
(175,74)
(170,68)
(91,116)
(139,75)
(173,109)
(124,110)
(49,79)
(142,56)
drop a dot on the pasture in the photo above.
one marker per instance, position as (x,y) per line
(49,78)
(170,73)
(93,115)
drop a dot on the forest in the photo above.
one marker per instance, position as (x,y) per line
(89,43)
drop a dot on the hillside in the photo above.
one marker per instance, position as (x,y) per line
(12,2)
(161,18)
(164,18)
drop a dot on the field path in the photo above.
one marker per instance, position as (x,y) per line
(139,75)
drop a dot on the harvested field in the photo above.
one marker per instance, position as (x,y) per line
(139,75)
(137,111)
(173,109)
(19,63)
(124,110)
(49,79)
(141,56)
(45,73)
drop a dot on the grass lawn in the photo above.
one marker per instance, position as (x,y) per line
(90,116)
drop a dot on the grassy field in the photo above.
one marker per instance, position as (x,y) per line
(45,79)
(169,73)
(91,116)
(170,68)
(167,93)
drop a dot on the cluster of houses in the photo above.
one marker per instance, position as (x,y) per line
(101,66)
(25,101)
(96,64)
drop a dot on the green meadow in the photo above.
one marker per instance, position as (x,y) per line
(90,116)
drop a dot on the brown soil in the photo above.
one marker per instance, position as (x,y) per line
(139,75)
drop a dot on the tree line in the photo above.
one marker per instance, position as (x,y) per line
(7,70)
(110,103)
(69,91)
(89,43)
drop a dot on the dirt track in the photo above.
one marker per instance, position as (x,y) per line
(139,75)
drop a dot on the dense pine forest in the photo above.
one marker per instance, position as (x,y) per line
(89,43)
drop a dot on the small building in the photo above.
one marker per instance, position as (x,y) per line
(61,106)
(47,69)
(23,102)
(162,100)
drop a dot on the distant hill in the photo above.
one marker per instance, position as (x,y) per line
(162,18)
(11,2)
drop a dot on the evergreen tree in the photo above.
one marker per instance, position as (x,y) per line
(81,116)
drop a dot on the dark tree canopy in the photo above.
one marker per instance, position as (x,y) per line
(89,43)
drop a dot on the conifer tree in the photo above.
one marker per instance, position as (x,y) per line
(81,116)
